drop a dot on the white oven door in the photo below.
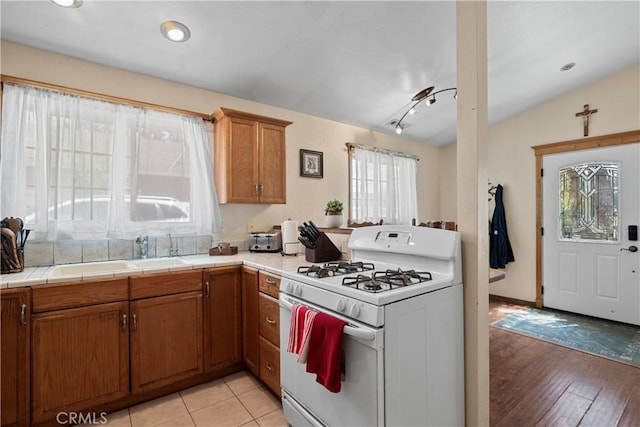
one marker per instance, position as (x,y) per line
(360,401)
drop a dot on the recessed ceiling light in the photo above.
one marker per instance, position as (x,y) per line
(567,67)
(175,31)
(68,3)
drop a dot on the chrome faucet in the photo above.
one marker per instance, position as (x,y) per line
(143,241)
(172,252)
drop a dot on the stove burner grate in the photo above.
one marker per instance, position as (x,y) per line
(386,280)
(402,278)
(335,268)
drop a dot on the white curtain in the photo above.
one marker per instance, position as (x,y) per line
(383,186)
(78,168)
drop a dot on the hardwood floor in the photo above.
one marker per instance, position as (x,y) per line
(535,383)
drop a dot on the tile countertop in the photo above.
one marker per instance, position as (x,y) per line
(272,262)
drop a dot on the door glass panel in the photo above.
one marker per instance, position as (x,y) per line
(589,202)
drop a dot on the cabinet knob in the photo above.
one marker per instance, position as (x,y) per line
(124,322)
(134,320)
(270,281)
(270,368)
(207,289)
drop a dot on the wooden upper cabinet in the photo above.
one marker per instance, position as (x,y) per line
(272,152)
(15,328)
(250,158)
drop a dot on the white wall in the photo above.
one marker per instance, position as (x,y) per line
(512,162)
(306,197)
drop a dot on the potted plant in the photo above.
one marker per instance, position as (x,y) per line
(333,214)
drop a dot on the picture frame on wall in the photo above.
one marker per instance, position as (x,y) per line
(310,163)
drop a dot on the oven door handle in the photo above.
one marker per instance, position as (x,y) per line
(349,329)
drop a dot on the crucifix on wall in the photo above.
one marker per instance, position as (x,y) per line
(585,113)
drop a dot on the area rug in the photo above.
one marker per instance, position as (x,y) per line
(613,340)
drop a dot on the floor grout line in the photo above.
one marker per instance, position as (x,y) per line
(234,395)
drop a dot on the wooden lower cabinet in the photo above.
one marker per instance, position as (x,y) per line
(270,365)
(222,319)
(250,324)
(269,321)
(81,347)
(166,340)
(15,327)
(79,358)
(268,340)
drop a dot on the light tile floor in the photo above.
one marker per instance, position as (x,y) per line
(236,400)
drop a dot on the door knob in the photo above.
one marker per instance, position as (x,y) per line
(630,249)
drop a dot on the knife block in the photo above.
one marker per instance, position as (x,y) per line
(325,250)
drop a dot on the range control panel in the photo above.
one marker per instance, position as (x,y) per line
(393,238)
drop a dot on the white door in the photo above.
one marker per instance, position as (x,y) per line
(590,198)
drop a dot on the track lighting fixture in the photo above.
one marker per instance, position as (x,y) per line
(428,96)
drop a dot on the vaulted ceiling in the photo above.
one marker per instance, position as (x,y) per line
(353,62)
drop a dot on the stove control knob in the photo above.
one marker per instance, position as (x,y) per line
(342,305)
(298,290)
(289,288)
(355,310)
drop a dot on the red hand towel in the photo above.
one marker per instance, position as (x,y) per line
(296,329)
(325,350)
(308,324)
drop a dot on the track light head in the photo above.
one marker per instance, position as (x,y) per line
(422,94)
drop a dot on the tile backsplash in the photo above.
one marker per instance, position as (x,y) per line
(38,254)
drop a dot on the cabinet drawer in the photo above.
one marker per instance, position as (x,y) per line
(69,295)
(269,284)
(160,284)
(269,319)
(270,365)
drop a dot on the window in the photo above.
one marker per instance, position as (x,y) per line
(383,186)
(589,202)
(79,168)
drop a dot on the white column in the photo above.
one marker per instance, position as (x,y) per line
(472,204)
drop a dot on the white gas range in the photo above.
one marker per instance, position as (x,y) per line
(401,296)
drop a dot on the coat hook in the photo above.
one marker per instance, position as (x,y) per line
(492,191)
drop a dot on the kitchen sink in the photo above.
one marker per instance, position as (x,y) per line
(157,262)
(88,268)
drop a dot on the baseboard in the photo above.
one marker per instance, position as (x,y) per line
(511,300)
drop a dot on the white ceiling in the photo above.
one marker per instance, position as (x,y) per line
(353,62)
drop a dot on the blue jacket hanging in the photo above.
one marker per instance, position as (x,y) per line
(500,252)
